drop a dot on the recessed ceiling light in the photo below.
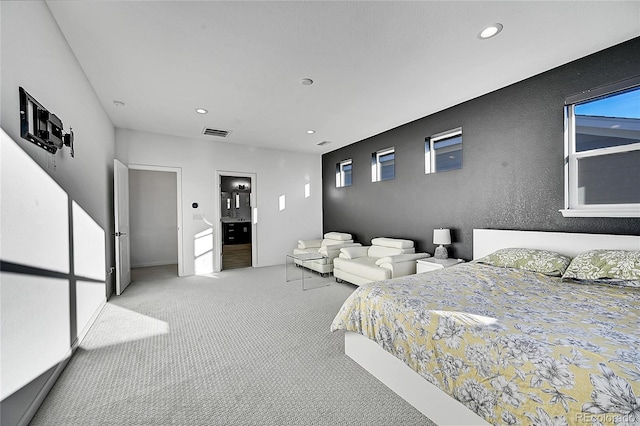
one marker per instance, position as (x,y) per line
(311,132)
(118,103)
(491,31)
(306,82)
(201,111)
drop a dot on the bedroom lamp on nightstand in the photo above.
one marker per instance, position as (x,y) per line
(441,236)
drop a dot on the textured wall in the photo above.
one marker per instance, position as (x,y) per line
(512,175)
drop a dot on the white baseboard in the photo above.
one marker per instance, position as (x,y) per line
(85,330)
(159,263)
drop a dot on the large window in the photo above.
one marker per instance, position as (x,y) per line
(344,170)
(443,151)
(602,152)
(383,165)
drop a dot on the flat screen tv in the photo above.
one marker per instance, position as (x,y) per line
(42,127)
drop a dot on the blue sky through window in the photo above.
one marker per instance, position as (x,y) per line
(623,105)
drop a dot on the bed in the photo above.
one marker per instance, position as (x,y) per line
(480,344)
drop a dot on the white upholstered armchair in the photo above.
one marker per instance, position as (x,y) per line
(385,258)
(329,247)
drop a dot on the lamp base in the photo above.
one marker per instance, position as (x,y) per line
(441,252)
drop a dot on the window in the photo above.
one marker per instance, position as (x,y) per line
(443,151)
(383,165)
(602,152)
(343,173)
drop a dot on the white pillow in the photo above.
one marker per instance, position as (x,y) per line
(340,236)
(305,244)
(353,252)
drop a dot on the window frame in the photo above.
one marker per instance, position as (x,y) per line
(340,174)
(376,166)
(430,152)
(572,206)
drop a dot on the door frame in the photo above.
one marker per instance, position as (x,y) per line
(178,172)
(218,216)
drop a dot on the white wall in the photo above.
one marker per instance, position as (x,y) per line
(153,218)
(278,173)
(35,55)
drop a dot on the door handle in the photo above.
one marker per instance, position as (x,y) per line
(119,234)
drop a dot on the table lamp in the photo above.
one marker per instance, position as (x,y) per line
(441,236)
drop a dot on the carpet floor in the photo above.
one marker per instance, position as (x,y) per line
(239,347)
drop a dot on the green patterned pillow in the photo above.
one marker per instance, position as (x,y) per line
(541,261)
(621,267)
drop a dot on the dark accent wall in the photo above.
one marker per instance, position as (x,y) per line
(512,175)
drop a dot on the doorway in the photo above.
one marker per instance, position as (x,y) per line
(155,220)
(237,220)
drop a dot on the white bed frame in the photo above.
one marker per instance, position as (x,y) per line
(427,398)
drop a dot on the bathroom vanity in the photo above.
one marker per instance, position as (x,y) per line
(236,231)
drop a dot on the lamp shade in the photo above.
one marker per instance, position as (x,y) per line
(441,236)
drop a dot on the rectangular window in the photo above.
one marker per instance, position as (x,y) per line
(602,152)
(443,151)
(383,165)
(344,170)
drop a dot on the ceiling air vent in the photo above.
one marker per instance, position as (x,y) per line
(208,131)
(323,143)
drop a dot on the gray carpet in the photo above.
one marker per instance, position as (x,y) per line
(242,347)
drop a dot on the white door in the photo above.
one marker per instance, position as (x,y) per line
(121,207)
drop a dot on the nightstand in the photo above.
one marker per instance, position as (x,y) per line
(432,264)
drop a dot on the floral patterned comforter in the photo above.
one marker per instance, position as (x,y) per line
(515,347)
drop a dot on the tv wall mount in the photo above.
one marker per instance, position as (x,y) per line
(41,127)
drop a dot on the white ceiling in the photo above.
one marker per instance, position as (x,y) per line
(375,65)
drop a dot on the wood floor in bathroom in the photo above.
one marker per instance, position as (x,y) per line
(236,256)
